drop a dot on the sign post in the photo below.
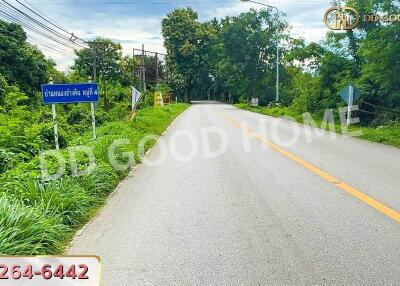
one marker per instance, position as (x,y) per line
(55,122)
(350,95)
(70,93)
(92,109)
(93,121)
(53,107)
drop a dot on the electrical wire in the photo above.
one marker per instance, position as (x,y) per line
(36,30)
(380,107)
(50,36)
(50,22)
(36,22)
(31,19)
(49,47)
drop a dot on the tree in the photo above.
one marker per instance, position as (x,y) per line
(107,56)
(235,56)
(247,48)
(21,63)
(380,79)
(187,42)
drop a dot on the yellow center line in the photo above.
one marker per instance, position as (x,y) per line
(331,179)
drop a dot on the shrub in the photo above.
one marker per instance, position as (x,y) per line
(26,231)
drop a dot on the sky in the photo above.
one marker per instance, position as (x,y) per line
(133,22)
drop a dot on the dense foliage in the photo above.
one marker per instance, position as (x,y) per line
(236,57)
(37,216)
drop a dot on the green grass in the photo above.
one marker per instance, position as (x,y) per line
(389,135)
(38,217)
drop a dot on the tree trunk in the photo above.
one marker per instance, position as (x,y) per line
(186,94)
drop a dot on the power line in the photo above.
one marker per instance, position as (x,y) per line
(34,30)
(140,50)
(48,21)
(37,41)
(31,19)
(43,44)
(13,17)
(30,27)
(380,107)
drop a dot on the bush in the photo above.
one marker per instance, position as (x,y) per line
(64,198)
(27,231)
(78,115)
(38,217)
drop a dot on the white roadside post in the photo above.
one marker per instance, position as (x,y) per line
(93,121)
(93,116)
(53,107)
(350,106)
(350,94)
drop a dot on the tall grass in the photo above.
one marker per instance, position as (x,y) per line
(389,135)
(25,230)
(39,217)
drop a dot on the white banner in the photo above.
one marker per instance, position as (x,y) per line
(136,95)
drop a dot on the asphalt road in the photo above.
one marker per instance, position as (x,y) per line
(264,212)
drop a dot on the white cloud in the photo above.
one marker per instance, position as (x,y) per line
(133,29)
(305,18)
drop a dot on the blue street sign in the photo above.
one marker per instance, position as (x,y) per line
(70,93)
(345,94)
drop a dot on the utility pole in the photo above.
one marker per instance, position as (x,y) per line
(94,62)
(133,72)
(93,113)
(156,68)
(143,70)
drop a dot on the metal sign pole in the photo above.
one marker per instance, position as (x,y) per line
(93,121)
(144,69)
(351,92)
(61,94)
(92,108)
(53,107)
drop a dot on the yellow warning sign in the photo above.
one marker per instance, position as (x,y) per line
(158,99)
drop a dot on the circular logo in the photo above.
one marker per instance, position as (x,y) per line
(341,18)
